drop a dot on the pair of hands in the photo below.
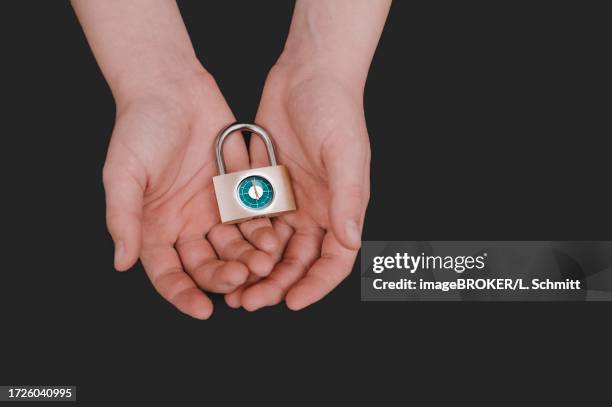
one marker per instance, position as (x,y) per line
(161,205)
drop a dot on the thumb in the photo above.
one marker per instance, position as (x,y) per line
(346,165)
(123,215)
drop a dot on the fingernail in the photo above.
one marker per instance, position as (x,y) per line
(352,231)
(119,252)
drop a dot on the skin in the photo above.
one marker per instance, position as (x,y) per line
(313,106)
(160,163)
(158,172)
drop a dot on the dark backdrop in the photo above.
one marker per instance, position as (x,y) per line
(488,116)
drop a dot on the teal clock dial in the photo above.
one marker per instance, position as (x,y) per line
(255,192)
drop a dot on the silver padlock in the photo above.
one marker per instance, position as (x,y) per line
(253,193)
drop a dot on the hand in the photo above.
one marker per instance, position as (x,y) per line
(312,105)
(160,200)
(157,177)
(320,134)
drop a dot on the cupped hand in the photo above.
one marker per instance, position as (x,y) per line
(318,125)
(160,200)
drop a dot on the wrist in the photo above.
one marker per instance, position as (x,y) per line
(158,81)
(337,37)
(308,59)
(295,73)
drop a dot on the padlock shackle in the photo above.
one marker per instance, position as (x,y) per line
(253,128)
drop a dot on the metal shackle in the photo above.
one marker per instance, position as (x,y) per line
(253,128)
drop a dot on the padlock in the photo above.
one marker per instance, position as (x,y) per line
(253,193)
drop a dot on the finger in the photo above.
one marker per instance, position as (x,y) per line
(283,232)
(326,273)
(229,244)
(236,156)
(302,250)
(164,269)
(124,196)
(259,233)
(346,168)
(210,273)
(234,299)
(258,152)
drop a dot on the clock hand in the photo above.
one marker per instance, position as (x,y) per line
(255,188)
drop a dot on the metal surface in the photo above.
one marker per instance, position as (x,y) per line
(253,128)
(230,208)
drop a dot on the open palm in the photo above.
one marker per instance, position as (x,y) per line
(319,128)
(160,199)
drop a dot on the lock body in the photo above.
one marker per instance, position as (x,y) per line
(254,193)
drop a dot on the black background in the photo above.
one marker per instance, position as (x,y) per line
(489,117)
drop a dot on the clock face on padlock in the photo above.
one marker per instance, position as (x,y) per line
(255,192)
